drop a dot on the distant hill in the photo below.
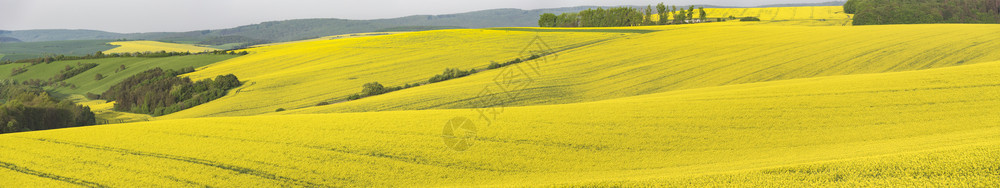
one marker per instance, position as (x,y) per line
(289,30)
(39,35)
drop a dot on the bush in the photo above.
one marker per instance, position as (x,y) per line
(70,71)
(93,96)
(450,74)
(322,103)
(18,70)
(98,77)
(749,19)
(494,65)
(279,110)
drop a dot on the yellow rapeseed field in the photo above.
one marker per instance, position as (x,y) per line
(155,46)
(921,128)
(797,100)
(304,74)
(703,55)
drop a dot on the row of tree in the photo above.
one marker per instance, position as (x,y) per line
(26,108)
(158,92)
(875,12)
(623,16)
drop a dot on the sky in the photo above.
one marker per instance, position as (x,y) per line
(130,16)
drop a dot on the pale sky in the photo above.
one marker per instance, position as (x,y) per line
(129,16)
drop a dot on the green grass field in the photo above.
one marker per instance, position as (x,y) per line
(28,50)
(107,67)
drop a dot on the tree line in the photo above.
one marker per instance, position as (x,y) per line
(27,108)
(159,92)
(58,79)
(375,88)
(623,16)
(875,12)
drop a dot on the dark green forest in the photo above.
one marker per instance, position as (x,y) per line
(27,108)
(876,12)
(158,92)
(624,16)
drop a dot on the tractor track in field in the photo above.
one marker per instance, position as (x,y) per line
(23,170)
(234,168)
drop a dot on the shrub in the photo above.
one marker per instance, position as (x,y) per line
(18,70)
(322,103)
(92,96)
(98,77)
(70,71)
(279,110)
(748,19)
(450,74)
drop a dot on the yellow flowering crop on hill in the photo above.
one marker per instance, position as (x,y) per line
(154,46)
(922,127)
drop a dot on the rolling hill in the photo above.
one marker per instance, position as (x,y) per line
(27,50)
(914,127)
(304,74)
(792,101)
(155,46)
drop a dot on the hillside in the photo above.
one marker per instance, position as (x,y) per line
(703,56)
(303,74)
(837,131)
(692,59)
(41,35)
(27,50)
(154,46)
(802,98)
(111,74)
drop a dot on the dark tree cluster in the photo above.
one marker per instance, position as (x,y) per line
(159,92)
(449,74)
(18,70)
(876,12)
(375,88)
(622,16)
(71,71)
(749,19)
(27,108)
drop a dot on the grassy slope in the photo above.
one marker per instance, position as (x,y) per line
(155,46)
(838,130)
(703,55)
(303,74)
(85,81)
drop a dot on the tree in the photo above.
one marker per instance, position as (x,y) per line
(679,17)
(661,11)
(702,14)
(547,20)
(98,77)
(372,89)
(690,13)
(649,16)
